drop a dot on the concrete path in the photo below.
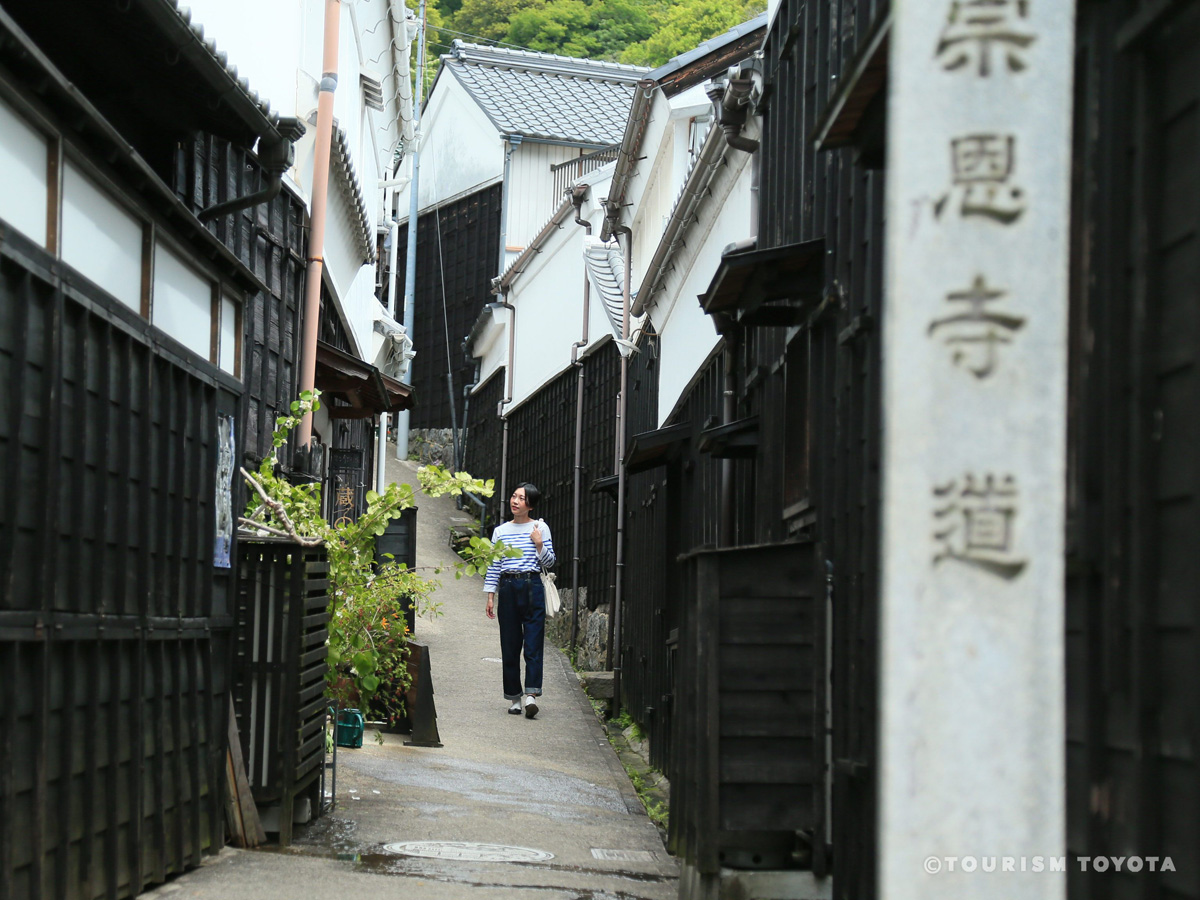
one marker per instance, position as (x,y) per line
(551,784)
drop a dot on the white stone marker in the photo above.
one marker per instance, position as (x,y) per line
(975,375)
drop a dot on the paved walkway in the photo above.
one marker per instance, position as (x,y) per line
(552,784)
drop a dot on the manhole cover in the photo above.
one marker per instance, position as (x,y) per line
(468,852)
(624,855)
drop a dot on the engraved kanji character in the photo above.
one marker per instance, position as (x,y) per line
(974,523)
(975,333)
(974,28)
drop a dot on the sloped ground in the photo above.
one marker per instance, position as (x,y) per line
(552,784)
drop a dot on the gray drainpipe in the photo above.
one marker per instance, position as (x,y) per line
(728,411)
(577,195)
(508,377)
(459,463)
(614,621)
(276,154)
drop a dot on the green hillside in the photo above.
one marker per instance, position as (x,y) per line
(639,32)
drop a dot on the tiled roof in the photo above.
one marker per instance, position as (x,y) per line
(605,266)
(343,164)
(287,127)
(539,95)
(711,46)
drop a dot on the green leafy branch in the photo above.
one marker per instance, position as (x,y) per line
(368,596)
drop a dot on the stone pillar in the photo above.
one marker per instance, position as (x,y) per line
(975,374)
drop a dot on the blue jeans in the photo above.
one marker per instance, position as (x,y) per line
(521,611)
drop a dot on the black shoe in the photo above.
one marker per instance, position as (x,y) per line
(531,707)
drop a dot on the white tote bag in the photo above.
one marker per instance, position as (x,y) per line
(550,589)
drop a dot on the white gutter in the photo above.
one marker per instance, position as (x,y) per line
(398,15)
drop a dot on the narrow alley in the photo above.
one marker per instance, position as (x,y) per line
(548,795)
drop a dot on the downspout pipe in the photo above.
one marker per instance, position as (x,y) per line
(508,396)
(393,251)
(614,621)
(410,259)
(728,414)
(320,197)
(577,195)
(467,389)
(277,155)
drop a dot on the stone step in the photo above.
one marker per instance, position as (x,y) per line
(599,685)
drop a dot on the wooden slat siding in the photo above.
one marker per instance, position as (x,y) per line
(271,240)
(14,326)
(84,875)
(707,784)
(542,450)
(1132,708)
(88,389)
(278,673)
(602,370)
(482,444)
(470,234)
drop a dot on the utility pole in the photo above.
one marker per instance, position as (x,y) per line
(410,268)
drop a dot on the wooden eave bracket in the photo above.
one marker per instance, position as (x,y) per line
(735,440)
(651,449)
(774,287)
(606,485)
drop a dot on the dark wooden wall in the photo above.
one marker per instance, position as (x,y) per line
(541,450)
(1133,611)
(457,257)
(482,445)
(272,240)
(114,621)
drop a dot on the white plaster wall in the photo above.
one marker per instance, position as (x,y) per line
(461,148)
(688,335)
(285,69)
(549,302)
(658,179)
(491,348)
(531,200)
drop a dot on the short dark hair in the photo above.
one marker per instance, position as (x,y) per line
(532,494)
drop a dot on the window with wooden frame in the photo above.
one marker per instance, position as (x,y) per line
(68,205)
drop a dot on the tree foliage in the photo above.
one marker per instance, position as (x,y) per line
(682,25)
(640,32)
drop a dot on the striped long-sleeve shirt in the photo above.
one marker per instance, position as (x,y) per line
(517,536)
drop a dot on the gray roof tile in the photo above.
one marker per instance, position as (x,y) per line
(539,95)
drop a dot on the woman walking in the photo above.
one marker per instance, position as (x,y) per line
(522,604)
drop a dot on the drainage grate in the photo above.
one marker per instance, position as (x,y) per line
(624,855)
(468,852)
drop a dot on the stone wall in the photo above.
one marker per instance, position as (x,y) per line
(592,640)
(432,445)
